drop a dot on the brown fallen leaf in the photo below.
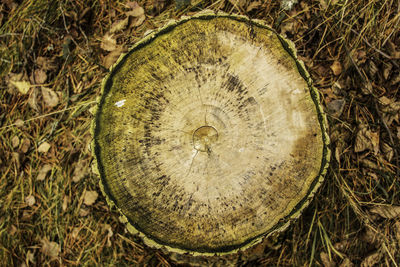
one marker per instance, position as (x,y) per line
(112,57)
(50,248)
(39,76)
(83,212)
(119,25)
(108,42)
(336,68)
(44,147)
(15,142)
(90,197)
(325,260)
(46,63)
(390,110)
(25,145)
(393,51)
(137,13)
(335,107)
(253,5)
(50,97)
(387,212)
(33,99)
(20,82)
(43,172)
(139,21)
(346,263)
(19,123)
(65,203)
(30,200)
(371,260)
(80,171)
(22,86)
(366,139)
(136,9)
(387,151)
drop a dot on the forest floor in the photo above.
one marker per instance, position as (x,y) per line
(53,57)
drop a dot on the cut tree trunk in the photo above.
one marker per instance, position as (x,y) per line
(209,135)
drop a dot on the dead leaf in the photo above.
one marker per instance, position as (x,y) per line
(25,145)
(50,97)
(46,63)
(394,53)
(387,70)
(44,147)
(83,212)
(19,123)
(33,99)
(335,107)
(39,76)
(371,260)
(136,10)
(139,21)
(119,25)
(108,43)
(80,171)
(366,139)
(43,172)
(346,263)
(325,260)
(30,200)
(90,197)
(387,212)
(390,110)
(253,5)
(387,151)
(373,69)
(112,57)
(336,68)
(22,86)
(15,141)
(65,203)
(370,237)
(50,248)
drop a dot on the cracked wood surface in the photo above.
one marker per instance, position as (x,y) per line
(207,136)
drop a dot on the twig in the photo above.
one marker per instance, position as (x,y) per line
(49,114)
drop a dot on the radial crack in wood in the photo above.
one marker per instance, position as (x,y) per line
(209,135)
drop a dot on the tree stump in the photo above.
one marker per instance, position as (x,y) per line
(209,135)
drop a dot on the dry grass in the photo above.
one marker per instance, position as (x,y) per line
(352,49)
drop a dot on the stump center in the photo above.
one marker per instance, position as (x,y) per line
(204,137)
